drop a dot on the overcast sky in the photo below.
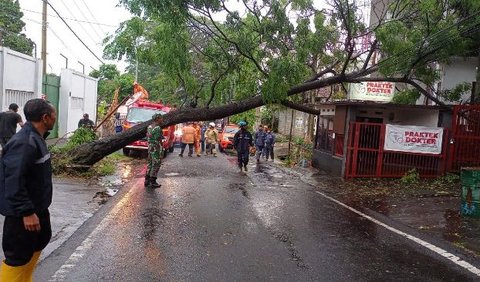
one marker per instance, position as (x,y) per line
(104,18)
(92,21)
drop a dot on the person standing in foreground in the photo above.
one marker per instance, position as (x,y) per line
(188,138)
(8,123)
(26,193)
(242,142)
(211,137)
(269,143)
(154,160)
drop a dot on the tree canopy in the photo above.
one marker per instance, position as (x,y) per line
(230,50)
(227,57)
(11,27)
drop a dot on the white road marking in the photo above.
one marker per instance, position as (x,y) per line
(453,258)
(87,244)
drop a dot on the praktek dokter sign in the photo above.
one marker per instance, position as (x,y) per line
(414,139)
(372,91)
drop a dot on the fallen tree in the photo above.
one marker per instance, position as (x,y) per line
(268,59)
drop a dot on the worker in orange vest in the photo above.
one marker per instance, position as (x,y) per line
(188,138)
(197,138)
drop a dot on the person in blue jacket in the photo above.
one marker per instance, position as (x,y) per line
(242,141)
(269,143)
(259,138)
(26,193)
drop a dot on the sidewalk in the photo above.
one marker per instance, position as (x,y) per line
(74,201)
(432,211)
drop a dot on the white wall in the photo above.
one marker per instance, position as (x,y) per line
(457,71)
(401,115)
(20,79)
(78,95)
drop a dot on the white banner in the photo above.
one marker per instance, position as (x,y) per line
(372,91)
(415,139)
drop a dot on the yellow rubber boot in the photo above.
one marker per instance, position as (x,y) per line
(13,273)
(31,266)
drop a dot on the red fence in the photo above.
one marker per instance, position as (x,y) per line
(339,141)
(366,156)
(465,142)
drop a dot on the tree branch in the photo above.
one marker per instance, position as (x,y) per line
(299,107)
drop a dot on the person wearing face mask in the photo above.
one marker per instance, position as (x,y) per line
(26,193)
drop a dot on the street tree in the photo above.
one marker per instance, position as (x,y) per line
(11,27)
(222,60)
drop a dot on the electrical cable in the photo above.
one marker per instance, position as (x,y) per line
(93,16)
(93,40)
(70,19)
(85,17)
(74,33)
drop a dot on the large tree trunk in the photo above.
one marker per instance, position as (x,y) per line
(92,152)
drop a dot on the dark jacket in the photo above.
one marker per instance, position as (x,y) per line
(25,174)
(270,139)
(242,140)
(260,138)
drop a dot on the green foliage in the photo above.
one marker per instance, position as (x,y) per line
(11,27)
(102,109)
(106,71)
(455,94)
(105,167)
(81,136)
(411,177)
(248,116)
(406,97)
(447,179)
(188,50)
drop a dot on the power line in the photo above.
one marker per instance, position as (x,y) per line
(85,17)
(55,34)
(74,32)
(81,26)
(70,19)
(93,16)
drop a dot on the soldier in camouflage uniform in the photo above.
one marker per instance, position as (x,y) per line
(155,150)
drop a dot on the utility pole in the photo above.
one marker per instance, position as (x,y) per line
(44,37)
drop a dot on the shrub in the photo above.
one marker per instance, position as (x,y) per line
(411,177)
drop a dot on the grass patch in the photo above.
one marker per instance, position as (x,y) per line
(62,160)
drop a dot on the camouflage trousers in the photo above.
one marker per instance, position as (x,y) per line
(154,160)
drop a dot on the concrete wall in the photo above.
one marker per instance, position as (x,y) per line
(458,70)
(78,95)
(20,79)
(400,116)
(327,163)
(300,123)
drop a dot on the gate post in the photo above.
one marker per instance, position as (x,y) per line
(381,144)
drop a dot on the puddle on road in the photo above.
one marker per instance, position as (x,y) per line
(241,187)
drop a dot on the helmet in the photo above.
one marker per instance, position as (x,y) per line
(156,116)
(212,124)
(242,123)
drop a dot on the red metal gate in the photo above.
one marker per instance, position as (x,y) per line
(366,156)
(465,142)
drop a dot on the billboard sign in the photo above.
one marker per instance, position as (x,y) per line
(413,139)
(372,91)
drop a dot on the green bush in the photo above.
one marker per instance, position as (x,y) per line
(411,177)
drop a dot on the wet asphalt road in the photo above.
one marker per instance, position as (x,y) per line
(209,223)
